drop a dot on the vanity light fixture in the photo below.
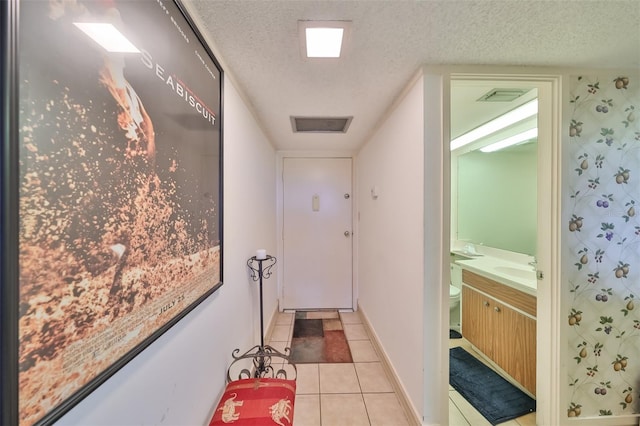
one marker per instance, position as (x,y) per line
(107,36)
(512,140)
(323,39)
(518,114)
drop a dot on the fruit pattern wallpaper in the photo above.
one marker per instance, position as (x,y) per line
(601,242)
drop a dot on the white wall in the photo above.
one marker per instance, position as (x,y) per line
(178,379)
(391,235)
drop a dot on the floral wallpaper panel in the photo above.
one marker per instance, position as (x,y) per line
(601,245)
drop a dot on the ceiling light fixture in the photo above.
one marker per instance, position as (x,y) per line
(522,112)
(323,39)
(107,36)
(512,140)
(324,42)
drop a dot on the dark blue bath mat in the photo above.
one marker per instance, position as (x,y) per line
(494,397)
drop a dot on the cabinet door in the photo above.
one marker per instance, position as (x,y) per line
(476,320)
(515,345)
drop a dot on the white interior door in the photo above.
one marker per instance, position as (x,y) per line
(317,233)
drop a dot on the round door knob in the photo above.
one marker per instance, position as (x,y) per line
(497,309)
(347,233)
(486,304)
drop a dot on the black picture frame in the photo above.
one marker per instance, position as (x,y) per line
(111,196)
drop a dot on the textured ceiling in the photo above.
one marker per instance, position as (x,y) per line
(390,40)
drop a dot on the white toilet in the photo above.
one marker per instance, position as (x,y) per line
(454,298)
(455,289)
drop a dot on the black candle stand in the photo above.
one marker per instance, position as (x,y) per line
(257,274)
(261,355)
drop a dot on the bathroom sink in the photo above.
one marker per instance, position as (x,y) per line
(516,272)
(466,254)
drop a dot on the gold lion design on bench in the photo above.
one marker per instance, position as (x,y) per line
(280,410)
(229,414)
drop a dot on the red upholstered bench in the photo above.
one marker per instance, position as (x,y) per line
(262,395)
(261,401)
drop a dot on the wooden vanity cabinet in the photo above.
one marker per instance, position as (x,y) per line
(497,320)
(477,320)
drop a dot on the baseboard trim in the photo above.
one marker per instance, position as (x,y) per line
(413,416)
(627,420)
(271,325)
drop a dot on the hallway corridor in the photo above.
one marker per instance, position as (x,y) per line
(346,394)
(360,393)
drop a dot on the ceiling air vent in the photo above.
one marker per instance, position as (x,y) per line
(320,124)
(502,95)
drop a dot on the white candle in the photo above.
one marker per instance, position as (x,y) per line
(261,254)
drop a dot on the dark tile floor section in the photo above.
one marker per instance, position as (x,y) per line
(319,340)
(308,328)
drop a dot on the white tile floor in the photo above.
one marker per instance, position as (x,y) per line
(360,393)
(342,394)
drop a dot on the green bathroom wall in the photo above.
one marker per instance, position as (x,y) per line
(497,200)
(601,246)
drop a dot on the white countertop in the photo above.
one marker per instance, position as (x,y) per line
(517,275)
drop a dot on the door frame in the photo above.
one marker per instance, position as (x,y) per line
(548,351)
(280,156)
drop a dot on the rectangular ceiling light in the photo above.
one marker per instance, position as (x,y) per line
(324,42)
(107,36)
(323,39)
(512,140)
(512,117)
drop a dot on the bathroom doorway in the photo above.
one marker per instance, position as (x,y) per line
(536,150)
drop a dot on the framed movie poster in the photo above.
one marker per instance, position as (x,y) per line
(112,195)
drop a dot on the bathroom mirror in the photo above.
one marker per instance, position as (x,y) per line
(497,198)
(493,194)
